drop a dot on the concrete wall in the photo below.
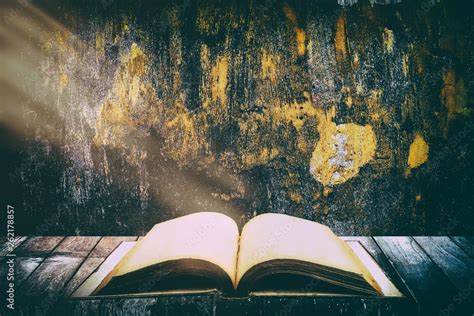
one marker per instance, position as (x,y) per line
(116,116)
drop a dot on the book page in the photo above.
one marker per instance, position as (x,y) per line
(278,236)
(386,285)
(208,236)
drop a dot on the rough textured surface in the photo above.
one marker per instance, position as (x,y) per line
(116,116)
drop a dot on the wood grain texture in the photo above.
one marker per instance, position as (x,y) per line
(431,288)
(466,243)
(86,269)
(24,266)
(6,247)
(100,252)
(43,288)
(455,264)
(76,246)
(38,246)
(164,305)
(107,244)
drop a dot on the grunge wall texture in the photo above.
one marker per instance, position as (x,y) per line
(117,115)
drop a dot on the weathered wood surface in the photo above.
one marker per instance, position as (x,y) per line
(128,113)
(6,247)
(466,243)
(455,263)
(48,269)
(431,288)
(430,272)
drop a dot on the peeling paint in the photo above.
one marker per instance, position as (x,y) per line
(300,41)
(418,153)
(261,158)
(130,104)
(388,40)
(341,150)
(295,113)
(454,95)
(300,34)
(340,39)
(269,66)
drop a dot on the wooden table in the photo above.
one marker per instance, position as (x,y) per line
(436,274)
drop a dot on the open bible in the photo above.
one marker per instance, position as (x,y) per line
(273,253)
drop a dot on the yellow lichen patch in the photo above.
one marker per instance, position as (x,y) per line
(376,111)
(130,103)
(388,40)
(418,153)
(100,43)
(299,32)
(63,81)
(340,39)
(355,61)
(219,80)
(207,20)
(269,66)
(137,64)
(182,130)
(405,65)
(63,38)
(347,96)
(214,86)
(265,155)
(295,113)
(300,41)
(454,94)
(290,14)
(301,144)
(341,150)
(296,197)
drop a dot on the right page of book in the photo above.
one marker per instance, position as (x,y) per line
(277,236)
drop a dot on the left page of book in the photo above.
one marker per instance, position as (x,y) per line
(209,236)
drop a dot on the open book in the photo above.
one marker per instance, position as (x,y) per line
(274,252)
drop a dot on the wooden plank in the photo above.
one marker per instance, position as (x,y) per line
(40,292)
(215,304)
(51,276)
(161,305)
(27,262)
(314,306)
(76,246)
(107,244)
(87,268)
(431,288)
(24,267)
(21,269)
(100,252)
(38,246)
(6,246)
(465,243)
(44,287)
(454,262)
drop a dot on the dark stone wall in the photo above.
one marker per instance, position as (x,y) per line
(120,114)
